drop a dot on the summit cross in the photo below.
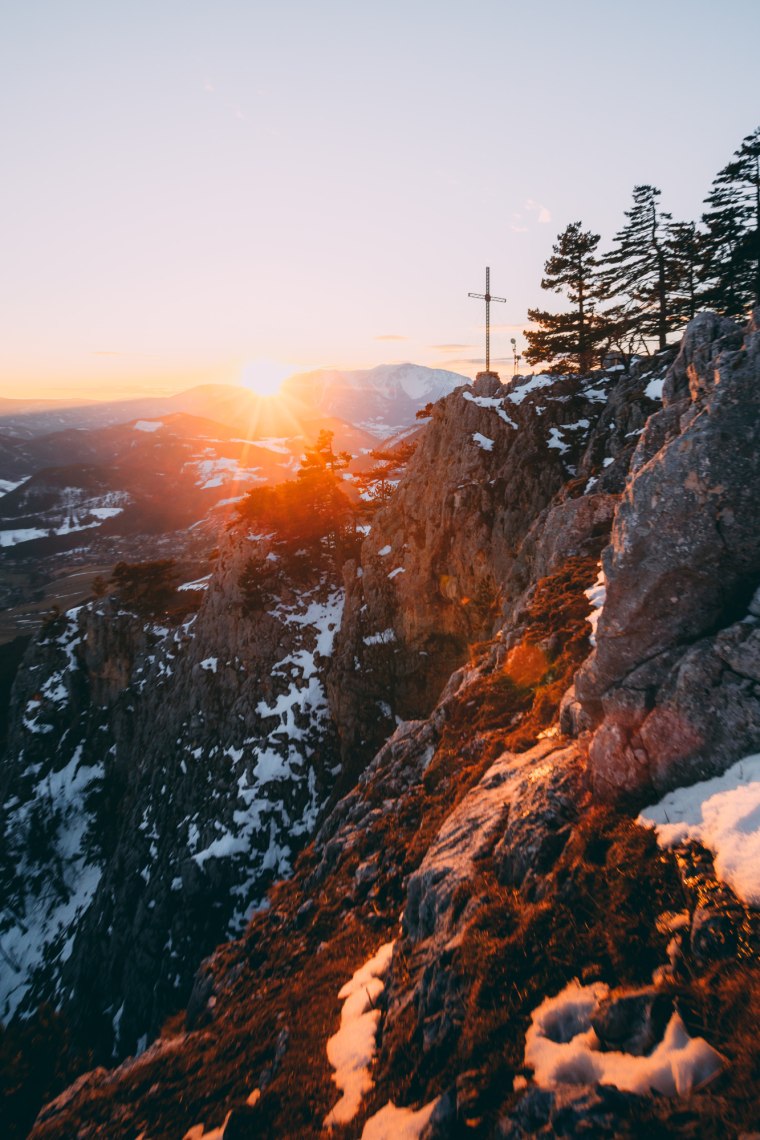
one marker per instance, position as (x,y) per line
(488,298)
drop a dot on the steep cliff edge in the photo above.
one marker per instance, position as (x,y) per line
(457,545)
(671,689)
(488,839)
(159,776)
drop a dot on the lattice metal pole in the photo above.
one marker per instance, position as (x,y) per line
(488,318)
(488,298)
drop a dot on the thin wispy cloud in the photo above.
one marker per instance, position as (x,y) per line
(543,213)
(532,211)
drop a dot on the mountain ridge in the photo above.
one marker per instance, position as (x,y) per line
(477,821)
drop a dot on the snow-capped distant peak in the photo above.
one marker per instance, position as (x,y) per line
(382,400)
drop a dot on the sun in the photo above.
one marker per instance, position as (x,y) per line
(264,376)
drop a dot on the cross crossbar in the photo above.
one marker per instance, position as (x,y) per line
(488,297)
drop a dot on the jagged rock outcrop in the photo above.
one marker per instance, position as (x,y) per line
(672,686)
(423,837)
(484,508)
(481,837)
(158,778)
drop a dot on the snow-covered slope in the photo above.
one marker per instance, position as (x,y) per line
(176,768)
(380,400)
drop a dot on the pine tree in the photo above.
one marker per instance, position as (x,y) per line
(732,240)
(377,484)
(684,254)
(568,341)
(638,268)
(324,507)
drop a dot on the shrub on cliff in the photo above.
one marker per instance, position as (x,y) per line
(311,516)
(148,586)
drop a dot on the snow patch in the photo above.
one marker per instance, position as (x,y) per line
(392,1123)
(38,927)
(533,384)
(14,537)
(382,637)
(556,441)
(350,1051)
(6,486)
(482,441)
(562,1048)
(653,390)
(147,425)
(722,814)
(198,584)
(596,595)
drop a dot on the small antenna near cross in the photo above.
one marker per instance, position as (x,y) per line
(488,298)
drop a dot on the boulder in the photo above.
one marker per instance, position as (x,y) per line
(682,567)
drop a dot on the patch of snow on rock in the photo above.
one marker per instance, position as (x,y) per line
(14,537)
(148,425)
(596,595)
(533,384)
(392,1123)
(39,926)
(556,441)
(562,1048)
(350,1051)
(482,441)
(653,390)
(722,814)
(197,584)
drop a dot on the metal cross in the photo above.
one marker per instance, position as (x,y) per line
(488,298)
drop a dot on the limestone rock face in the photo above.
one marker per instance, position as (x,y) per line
(157,779)
(479,852)
(446,557)
(671,686)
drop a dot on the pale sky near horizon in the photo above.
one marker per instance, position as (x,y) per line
(198,191)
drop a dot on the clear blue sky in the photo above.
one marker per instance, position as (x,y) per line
(193,187)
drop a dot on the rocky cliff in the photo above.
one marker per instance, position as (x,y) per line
(160,773)
(480,937)
(671,688)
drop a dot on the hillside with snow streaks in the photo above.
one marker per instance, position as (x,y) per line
(537,638)
(184,762)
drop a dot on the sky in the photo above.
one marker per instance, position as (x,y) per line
(227,191)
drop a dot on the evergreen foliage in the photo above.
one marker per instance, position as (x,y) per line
(658,274)
(311,516)
(684,250)
(637,268)
(732,239)
(149,587)
(379,482)
(568,340)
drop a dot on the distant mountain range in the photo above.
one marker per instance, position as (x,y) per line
(88,485)
(379,400)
